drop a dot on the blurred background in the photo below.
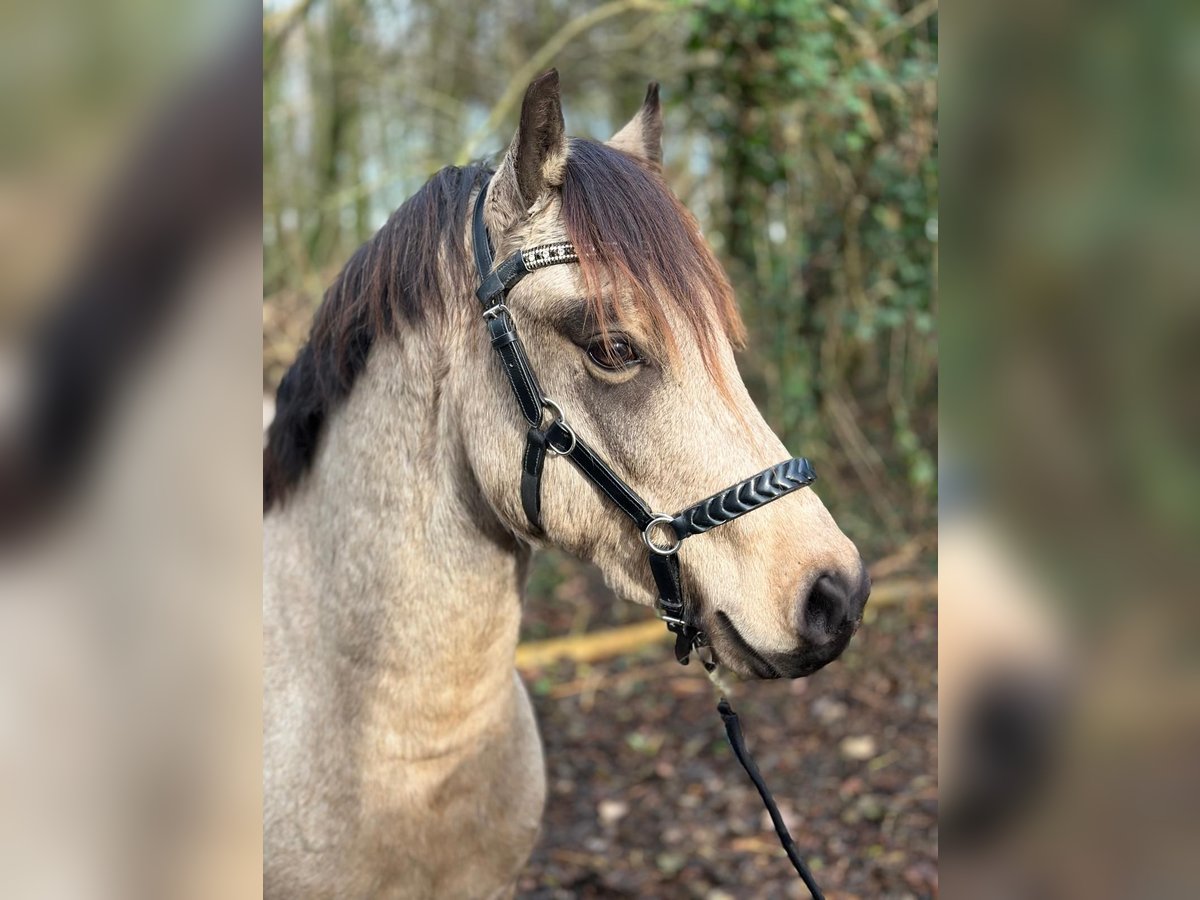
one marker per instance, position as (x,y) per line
(803,135)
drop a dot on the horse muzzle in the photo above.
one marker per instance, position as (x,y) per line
(827,618)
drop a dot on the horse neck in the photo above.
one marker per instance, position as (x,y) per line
(418,583)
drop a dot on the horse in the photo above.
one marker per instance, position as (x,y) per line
(401,753)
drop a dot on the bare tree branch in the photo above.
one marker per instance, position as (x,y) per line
(595,646)
(278,27)
(540,60)
(907,22)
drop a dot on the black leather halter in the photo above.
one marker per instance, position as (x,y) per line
(558,438)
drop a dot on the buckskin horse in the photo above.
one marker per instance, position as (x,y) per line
(405,491)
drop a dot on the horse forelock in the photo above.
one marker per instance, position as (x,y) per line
(630,230)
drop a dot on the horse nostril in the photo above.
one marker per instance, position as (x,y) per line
(822,612)
(832,605)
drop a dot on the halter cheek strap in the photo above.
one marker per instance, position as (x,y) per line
(558,438)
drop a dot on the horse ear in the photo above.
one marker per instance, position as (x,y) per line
(537,158)
(642,137)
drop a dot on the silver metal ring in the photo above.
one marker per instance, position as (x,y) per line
(559,415)
(496,310)
(554,451)
(560,418)
(660,519)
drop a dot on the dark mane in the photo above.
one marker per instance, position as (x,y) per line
(391,279)
(626,224)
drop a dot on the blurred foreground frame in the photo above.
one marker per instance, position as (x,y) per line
(194,174)
(1070,485)
(129,490)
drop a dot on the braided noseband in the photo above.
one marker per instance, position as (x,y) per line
(745,496)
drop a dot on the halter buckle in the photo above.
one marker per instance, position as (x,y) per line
(660,519)
(496,311)
(560,419)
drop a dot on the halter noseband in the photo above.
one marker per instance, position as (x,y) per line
(558,438)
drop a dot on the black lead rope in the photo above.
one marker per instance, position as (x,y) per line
(733,730)
(560,439)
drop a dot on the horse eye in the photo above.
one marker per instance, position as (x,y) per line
(614,354)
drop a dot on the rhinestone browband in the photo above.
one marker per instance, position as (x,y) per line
(549,255)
